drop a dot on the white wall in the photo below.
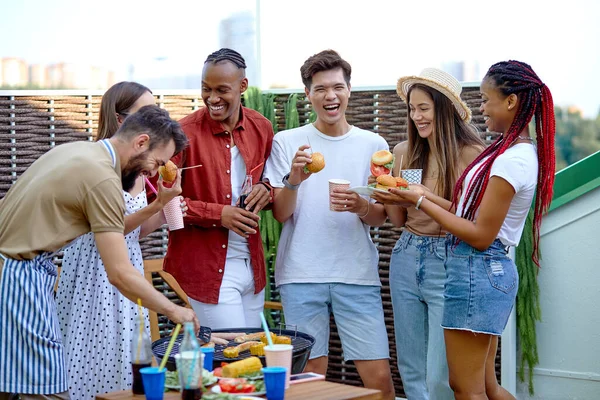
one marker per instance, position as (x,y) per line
(569,333)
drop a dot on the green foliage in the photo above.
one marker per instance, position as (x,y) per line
(528,303)
(576,137)
(292,119)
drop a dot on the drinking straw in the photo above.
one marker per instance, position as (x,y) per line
(150,185)
(266,328)
(139,349)
(255,168)
(169,347)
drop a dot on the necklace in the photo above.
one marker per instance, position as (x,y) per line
(524,138)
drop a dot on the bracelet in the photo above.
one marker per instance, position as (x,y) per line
(419,202)
(367,213)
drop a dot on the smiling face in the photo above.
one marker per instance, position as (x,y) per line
(222,86)
(329,94)
(498,110)
(146,162)
(422,112)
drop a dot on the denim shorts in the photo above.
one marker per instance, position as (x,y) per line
(481,287)
(358,313)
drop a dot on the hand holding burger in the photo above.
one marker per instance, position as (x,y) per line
(385,182)
(168,171)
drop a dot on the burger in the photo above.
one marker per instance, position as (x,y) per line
(382,162)
(168,171)
(317,164)
(385,182)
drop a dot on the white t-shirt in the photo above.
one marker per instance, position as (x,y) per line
(237,246)
(518,165)
(318,245)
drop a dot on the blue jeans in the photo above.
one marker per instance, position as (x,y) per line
(417,278)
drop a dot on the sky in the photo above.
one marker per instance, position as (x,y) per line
(382,40)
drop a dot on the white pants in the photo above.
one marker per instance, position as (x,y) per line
(238,306)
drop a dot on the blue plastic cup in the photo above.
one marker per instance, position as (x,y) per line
(154,382)
(209,353)
(275,382)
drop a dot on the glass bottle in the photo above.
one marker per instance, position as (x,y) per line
(189,366)
(246,189)
(141,355)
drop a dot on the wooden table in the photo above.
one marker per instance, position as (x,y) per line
(315,390)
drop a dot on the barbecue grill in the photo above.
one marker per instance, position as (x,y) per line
(302,343)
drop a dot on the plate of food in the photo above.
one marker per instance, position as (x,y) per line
(172,379)
(240,387)
(365,190)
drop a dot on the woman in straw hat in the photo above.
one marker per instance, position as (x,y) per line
(440,145)
(490,204)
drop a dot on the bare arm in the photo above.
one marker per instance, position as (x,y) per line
(492,212)
(121,274)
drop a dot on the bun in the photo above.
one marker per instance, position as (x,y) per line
(317,164)
(382,157)
(384,182)
(168,171)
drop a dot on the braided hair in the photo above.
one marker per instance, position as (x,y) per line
(535,99)
(226,54)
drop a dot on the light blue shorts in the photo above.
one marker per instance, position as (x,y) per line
(481,287)
(358,314)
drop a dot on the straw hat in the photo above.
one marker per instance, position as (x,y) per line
(440,81)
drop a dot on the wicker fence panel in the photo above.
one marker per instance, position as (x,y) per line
(31,125)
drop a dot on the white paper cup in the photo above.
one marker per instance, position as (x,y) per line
(337,184)
(173,214)
(280,355)
(189,369)
(412,175)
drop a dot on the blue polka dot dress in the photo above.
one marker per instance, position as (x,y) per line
(96,320)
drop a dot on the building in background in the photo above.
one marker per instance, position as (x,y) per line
(13,72)
(464,71)
(238,32)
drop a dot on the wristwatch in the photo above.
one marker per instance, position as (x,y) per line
(289,185)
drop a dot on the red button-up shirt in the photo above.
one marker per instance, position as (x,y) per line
(196,254)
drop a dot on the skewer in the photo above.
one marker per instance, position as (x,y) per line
(194,166)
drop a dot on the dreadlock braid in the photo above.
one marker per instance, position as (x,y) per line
(535,99)
(226,54)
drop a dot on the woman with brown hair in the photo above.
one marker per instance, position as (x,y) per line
(96,320)
(441,143)
(487,215)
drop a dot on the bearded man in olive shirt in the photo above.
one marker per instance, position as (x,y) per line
(218,257)
(73,189)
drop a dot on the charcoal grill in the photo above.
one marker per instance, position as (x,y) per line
(302,343)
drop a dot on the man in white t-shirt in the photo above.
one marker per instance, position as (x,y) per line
(326,261)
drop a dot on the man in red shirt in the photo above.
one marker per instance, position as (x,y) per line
(218,258)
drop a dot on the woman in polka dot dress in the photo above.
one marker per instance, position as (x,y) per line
(97,322)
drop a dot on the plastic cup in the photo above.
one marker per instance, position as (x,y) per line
(209,353)
(154,382)
(173,214)
(189,369)
(275,378)
(337,184)
(412,175)
(280,355)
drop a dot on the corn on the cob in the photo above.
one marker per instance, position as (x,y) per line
(264,338)
(283,340)
(246,366)
(258,349)
(231,352)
